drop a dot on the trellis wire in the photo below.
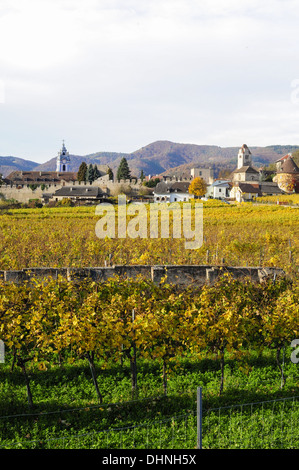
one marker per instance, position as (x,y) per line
(281,424)
(269,424)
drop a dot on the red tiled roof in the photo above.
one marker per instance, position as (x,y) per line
(284,157)
(18,177)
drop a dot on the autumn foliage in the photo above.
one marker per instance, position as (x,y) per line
(198,187)
(46,322)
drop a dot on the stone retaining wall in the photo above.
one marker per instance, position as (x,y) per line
(175,274)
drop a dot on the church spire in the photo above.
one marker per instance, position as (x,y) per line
(63,160)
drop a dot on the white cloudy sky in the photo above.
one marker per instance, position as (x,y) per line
(115,75)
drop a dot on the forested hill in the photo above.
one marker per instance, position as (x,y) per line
(9,164)
(162,156)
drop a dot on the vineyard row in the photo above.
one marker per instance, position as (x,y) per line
(137,318)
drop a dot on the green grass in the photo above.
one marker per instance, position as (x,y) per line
(67,413)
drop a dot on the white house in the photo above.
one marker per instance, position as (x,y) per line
(219,189)
(167,191)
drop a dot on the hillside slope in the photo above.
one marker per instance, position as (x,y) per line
(165,157)
(161,156)
(9,164)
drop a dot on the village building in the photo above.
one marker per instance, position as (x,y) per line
(287,174)
(270,188)
(60,176)
(219,189)
(246,174)
(46,186)
(77,193)
(207,174)
(168,191)
(24,186)
(245,171)
(242,192)
(247,181)
(25,178)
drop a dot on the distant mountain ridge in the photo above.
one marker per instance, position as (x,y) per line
(9,164)
(160,157)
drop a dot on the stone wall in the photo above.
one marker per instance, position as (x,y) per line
(22,195)
(114,188)
(176,274)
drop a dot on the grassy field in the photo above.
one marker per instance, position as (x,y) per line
(66,406)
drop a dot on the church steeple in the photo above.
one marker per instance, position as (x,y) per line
(244,157)
(63,160)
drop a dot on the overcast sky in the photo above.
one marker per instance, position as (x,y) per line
(116,75)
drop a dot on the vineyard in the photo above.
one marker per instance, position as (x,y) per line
(126,318)
(80,345)
(55,325)
(236,235)
(290,199)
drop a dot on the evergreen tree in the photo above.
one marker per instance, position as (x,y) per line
(152,183)
(89,173)
(123,171)
(110,174)
(96,173)
(82,172)
(142,176)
